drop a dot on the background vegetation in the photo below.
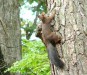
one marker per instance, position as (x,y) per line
(34,59)
(34,56)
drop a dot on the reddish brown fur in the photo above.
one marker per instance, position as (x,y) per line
(50,39)
(39,33)
(47,32)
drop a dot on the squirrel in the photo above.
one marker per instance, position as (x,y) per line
(39,33)
(50,39)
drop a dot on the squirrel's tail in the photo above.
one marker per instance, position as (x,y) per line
(53,56)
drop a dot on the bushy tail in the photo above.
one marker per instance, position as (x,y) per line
(53,56)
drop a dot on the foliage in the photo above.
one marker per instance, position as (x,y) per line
(34,57)
(34,61)
(40,7)
(28,27)
(21,2)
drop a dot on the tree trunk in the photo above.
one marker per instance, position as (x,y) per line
(10,37)
(70,22)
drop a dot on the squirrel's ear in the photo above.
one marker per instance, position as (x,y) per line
(43,13)
(41,16)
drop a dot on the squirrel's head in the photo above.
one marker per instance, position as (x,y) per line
(42,17)
(46,19)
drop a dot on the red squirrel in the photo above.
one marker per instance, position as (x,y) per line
(39,33)
(50,39)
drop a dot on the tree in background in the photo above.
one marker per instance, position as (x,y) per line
(10,37)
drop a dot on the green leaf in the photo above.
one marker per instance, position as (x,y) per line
(34,61)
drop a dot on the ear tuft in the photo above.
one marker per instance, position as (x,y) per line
(43,13)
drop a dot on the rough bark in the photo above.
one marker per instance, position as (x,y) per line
(70,22)
(10,45)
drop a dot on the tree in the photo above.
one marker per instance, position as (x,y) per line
(70,22)
(10,41)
